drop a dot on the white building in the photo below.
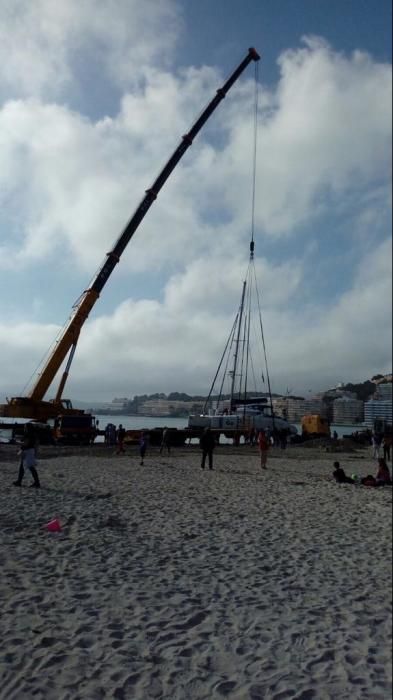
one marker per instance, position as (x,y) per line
(377,409)
(166,407)
(380,406)
(295,409)
(347,411)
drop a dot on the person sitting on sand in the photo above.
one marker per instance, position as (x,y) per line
(383,474)
(263,444)
(369,480)
(340,475)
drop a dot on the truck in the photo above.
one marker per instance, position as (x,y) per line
(34,405)
(75,429)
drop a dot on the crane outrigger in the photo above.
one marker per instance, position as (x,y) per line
(34,405)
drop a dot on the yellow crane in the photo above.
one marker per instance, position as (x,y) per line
(34,404)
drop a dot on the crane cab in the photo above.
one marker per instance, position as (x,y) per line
(315,425)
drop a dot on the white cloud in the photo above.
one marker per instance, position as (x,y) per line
(149,346)
(81,180)
(205,285)
(325,131)
(350,340)
(45,46)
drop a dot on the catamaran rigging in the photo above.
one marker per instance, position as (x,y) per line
(246,345)
(242,409)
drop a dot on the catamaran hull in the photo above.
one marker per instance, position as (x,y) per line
(241,423)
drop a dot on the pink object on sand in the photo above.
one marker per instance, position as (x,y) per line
(54,525)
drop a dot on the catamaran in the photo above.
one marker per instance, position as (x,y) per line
(240,408)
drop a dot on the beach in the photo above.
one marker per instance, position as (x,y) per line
(170,582)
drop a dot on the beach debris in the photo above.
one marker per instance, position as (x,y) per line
(53,525)
(113,521)
(97,496)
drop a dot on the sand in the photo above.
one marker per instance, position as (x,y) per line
(170,582)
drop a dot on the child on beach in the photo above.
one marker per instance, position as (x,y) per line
(340,475)
(263,444)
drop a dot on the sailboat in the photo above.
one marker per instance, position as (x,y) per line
(236,405)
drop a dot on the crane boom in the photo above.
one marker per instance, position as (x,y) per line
(69,336)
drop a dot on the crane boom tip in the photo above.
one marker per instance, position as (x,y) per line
(254,54)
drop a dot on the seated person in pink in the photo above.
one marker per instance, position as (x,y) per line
(383,474)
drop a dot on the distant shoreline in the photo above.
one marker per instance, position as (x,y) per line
(138,415)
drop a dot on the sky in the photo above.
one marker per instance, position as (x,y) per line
(94,99)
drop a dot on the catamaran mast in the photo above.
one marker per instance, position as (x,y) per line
(236,356)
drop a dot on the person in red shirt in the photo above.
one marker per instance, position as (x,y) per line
(263,444)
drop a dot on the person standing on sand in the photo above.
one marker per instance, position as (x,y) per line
(207,444)
(28,457)
(387,444)
(142,447)
(120,435)
(263,444)
(376,442)
(165,442)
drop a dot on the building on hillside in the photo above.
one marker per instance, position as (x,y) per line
(383,392)
(118,404)
(289,408)
(295,409)
(316,404)
(166,407)
(347,411)
(383,379)
(339,392)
